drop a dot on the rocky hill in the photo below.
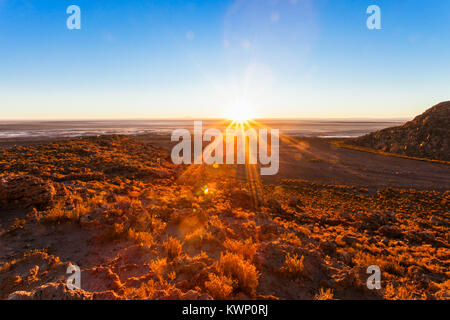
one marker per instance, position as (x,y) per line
(427,136)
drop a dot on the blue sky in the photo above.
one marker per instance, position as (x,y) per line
(200,59)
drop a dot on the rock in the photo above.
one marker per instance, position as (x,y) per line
(190,295)
(434,220)
(99,279)
(346,257)
(242,296)
(51,291)
(381,218)
(327,247)
(106,295)
(427,236)
(242,199)
(275,206)
(390,231)
(26,191)
(295,202)
(349,240)
(21,295)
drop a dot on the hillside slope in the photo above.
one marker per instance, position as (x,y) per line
(140,227)
(427,136)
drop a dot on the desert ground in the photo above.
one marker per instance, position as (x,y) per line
(140,227)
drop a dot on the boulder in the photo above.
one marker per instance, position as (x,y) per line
(26,191)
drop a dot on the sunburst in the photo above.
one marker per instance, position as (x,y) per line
(240,113)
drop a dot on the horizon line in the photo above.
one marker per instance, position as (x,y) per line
(208,119)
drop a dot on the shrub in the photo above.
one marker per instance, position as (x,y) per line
(55,214)
(293,265)
(145,291)
(158,266)
(172,248)
(246,249)
(324,294)
(401,293)
(233,265)
(143,238)
(59,214)
(115,232)
(198,236)
(219,286)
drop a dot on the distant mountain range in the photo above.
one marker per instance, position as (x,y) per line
(427,136)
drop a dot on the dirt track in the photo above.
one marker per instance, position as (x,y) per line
(315,159)
(319,161)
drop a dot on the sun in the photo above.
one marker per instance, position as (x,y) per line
(239,112)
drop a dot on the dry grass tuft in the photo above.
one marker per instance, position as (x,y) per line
(233,265)
(246,249)
(219,286)
(324,294)
(294,265)
(144,239)
(158,266)
(59,214)
(145,291)
(198,236)
(115,232)
(172,248)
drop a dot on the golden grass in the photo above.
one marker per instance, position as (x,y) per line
(158,266)
(142,238)
(246,249)
(198,236)
(293,265)
(219,286)
(59,214)
(236,267)
(324,294)
(172,248)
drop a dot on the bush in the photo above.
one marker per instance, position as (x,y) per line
(293,265)
(246,249)
(236,267)
(172,248)
(59,214)
(198,236)
(115,232)
(324,294)
(219,286)
(144,239)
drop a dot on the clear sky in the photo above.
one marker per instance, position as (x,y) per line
(199,59)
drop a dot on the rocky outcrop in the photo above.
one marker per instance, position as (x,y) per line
(26,191)
(427,136)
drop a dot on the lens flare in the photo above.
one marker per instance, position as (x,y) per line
(240,112)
